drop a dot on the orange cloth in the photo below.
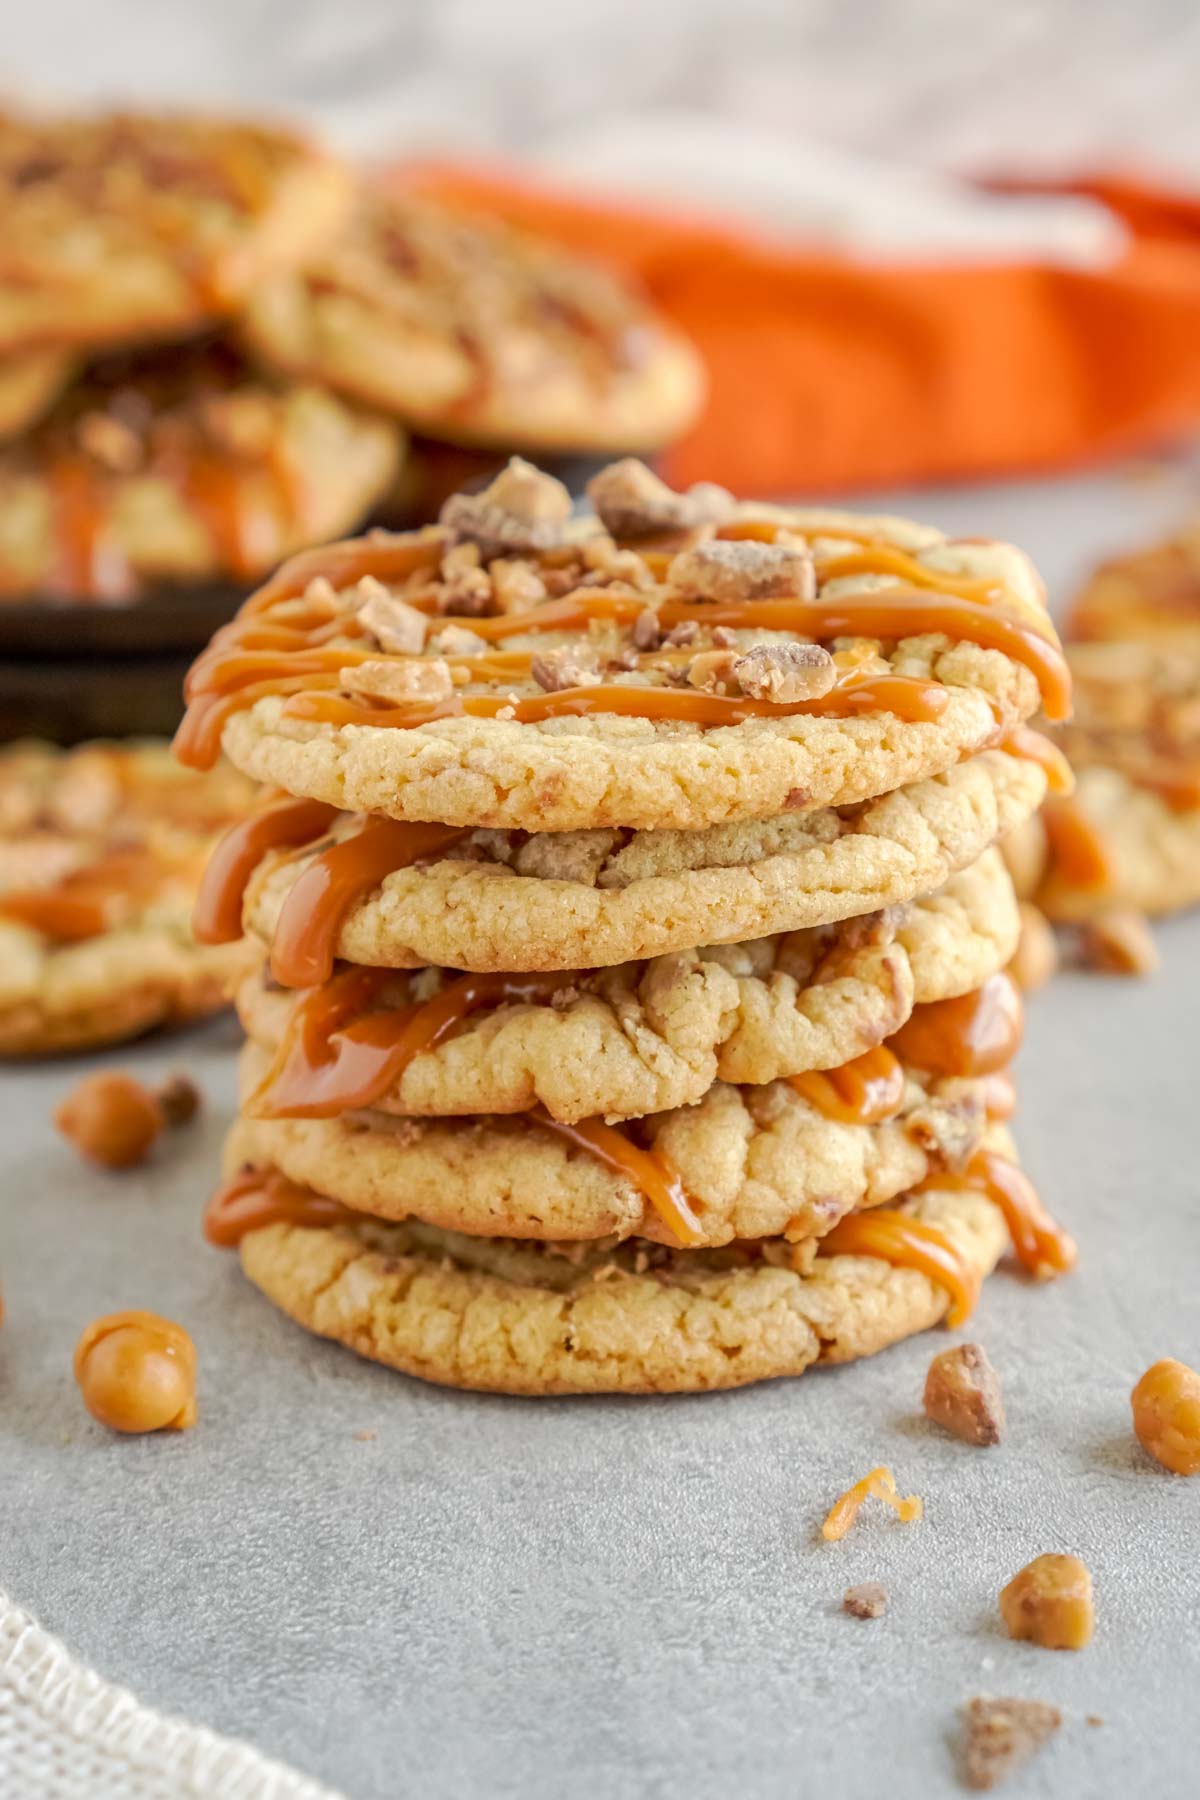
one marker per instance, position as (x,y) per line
(832,373)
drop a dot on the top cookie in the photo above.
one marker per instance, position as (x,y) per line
(473,332)
(126,226)
(672,662)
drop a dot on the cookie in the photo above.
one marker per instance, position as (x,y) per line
(178,464)
(101,851)
(751,1161)
(646,1037)
(123,226)
(582,900)
(521,1319)
(516,669)
(1153,594)
(474,333)
(30,380)
(1130,834)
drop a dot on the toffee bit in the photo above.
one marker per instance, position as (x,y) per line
(647,633)
(1003,1734)
(179,1098)
(1049,1602)
(743,569)
(962,1395)
(632,502)
(880,1484)
(521,510)
(395,625)
(866,1601)
(562,668)
(429,681)
(786,672)
(713,671)
(1119,941)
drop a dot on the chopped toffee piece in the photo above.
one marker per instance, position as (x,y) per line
(962,1395)
(866,1601)
(1049,1602)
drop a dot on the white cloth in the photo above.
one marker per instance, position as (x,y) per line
(66,1734)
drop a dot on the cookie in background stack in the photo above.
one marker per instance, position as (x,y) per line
(631,1012)
(101,852)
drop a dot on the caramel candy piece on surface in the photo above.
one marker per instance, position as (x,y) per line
(962,1394)
(1049,1602)
(137,1373)
(1003,1734)
(1119,941)
(111,1119)
(1166,1415)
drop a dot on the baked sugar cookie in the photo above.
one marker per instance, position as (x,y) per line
(525,1319)
(180,464)
(751,1162)
(517,669)
(125,226)
(474,333)
(30,380)
(1150,596)
(639,1038)
(101,851)
(491,901)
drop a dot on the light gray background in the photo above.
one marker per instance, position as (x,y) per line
(496,1597)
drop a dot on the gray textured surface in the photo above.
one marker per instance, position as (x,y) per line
(493,1598)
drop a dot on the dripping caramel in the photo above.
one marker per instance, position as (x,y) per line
(1079,854)
(899,1238)
(341,1050)
(649,1171)
(259,1197)
(975,1034)
(862,1092)
(217,918)
(1040,1244)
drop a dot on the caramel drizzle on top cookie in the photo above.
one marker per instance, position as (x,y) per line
(281,646)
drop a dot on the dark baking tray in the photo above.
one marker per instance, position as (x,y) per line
(168,621)
(68,699)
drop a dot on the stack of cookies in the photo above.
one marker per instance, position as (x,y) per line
(214,342)
(631,1010)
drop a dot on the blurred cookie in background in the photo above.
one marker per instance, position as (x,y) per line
(472,333)
(101,853)
(1152,593)
(121,227)
(178,464)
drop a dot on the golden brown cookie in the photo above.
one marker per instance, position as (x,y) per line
(517,669)
(1151,595)
(101,851)
(180,464)
(123,226)
(645,1037)
(472,332)
(524,1319)
(579,900)
(752,1161)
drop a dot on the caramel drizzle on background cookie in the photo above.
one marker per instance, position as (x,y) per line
(287,643)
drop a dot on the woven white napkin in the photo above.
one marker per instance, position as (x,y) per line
(66,1734)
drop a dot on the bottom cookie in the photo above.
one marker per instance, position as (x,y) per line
(516,1318)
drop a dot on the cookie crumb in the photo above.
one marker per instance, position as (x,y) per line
(866,1601)
(1093,1719)
(1002,1735)
(364,1437)
(962,1395)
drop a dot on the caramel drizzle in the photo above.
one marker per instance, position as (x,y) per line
(90,565)
(261,1197)
(1033,746)
(898,1238)
(327,890)
(217,918)
(341,1051)
(1041,1245)
(649,1171)
(862,1092)
(231,677)
(90,901)
(976,1034)
(1079,853)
